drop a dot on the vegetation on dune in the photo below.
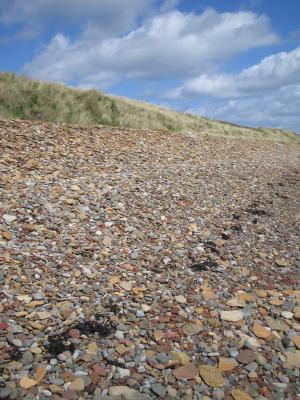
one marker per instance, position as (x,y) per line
(23,98)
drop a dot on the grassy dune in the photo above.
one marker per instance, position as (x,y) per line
(23,98)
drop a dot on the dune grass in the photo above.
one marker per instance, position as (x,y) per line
(23,98)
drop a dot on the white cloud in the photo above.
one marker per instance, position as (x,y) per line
(272,73)
(275,109)
(102,17)
(170,45)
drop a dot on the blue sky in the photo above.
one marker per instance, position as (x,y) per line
(231,60)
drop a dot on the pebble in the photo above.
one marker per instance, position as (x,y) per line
(168,269)
(188,371)
(246,356)
(159,390)
(232,316)
(238,394)
(77,385)
(211,375)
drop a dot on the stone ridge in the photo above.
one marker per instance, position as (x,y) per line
(140,264)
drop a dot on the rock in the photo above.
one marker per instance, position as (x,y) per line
(99,370)
(180,299)
(172,392)
(107,242)
(231,316)
(211,375)
(180,356)
(6,235)
(281,262)
(27,383)
(287,314)
(158,335)
(146,308)
(239,394)
(246,356)
(188,371)
(43,314)
(218,394)
(276,324)
(40,373)
(292,359)
(27,358)
(248,297)
(125,285)
(236,303)
(140,314)
(159,390)
(260,331)
(125,391)
(123,372)
(77,385)
(227,364)
(88,273)
(9,218)
(192,329)
(74,333)
(296,341)
(121,349)
(92,348)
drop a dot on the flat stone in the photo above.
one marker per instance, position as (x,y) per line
(227,364)
(239,394)
(180,356)
(276,324)
(126,286)
(231,316)
(188,371)
(107,241)
(248,297)
(211,375)
(99,370)
(121,349)
(281,262)
(180,299)
(74,333)
(236,303)
(260,331)
(40,373)
(43,314)
(123,372)
(27,358)
(92,348)
(9,218)
(158,335)
(246,356)
(146,308)
(159,390)
(6,235)
(296,341)
(27,383)
(287,314)
(77,385)
(292,359)
(125,391)
(192,329)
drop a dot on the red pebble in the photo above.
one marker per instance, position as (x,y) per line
(3,326)
(101,371)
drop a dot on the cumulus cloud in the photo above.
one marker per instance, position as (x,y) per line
(270,74)
(274,109)
(100,17)
(169,45)
(265,94)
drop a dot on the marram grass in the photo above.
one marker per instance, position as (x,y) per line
(23,98)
